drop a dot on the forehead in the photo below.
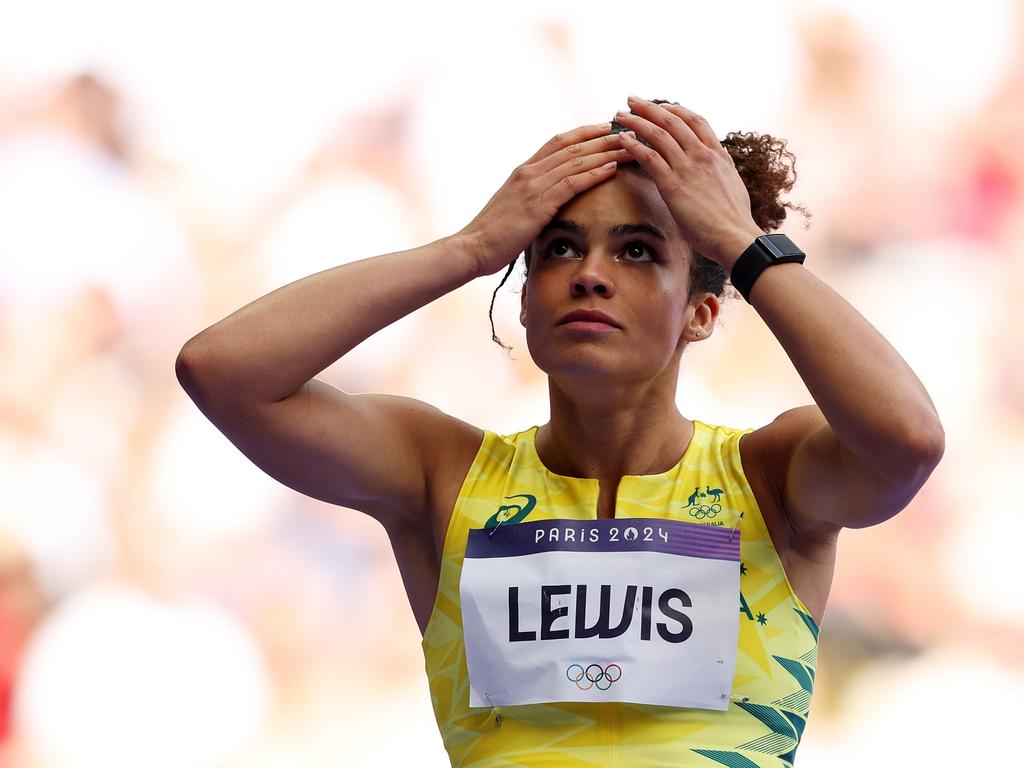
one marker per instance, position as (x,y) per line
(626,198)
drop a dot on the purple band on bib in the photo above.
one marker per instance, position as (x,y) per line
(672,537)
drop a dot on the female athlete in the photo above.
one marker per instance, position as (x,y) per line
(622,585)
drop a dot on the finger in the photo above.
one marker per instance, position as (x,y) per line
(575,136)
(699,125)
(606,143)
(656,136)
(666,121)
(650,159)
(568,186)
(582,163)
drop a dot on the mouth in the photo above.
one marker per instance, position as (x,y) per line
(589,320)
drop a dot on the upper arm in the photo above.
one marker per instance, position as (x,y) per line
(379,454)
(820,484)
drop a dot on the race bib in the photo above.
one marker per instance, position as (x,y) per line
(642,610)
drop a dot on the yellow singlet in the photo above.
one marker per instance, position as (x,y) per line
(778,638)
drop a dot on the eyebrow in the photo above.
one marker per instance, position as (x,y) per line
(619,230)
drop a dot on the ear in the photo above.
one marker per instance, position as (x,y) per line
(706,308)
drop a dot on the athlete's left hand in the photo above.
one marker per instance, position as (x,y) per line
(696,177)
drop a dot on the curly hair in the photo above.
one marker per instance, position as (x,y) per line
(767,170)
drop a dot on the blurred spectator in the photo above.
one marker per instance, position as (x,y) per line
(22,604)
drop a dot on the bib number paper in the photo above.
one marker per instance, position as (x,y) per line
(642,610)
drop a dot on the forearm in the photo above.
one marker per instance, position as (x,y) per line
(269,348)
(876,405)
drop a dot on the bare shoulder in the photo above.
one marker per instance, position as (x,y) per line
(387,456)
(446,444)
(770,450)
(433,428)
(808,556)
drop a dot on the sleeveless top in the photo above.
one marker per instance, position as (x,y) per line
(777,643)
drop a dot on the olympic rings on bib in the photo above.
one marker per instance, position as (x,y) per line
(594,674)
(702,511)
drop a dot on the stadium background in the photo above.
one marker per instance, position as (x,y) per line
(165,603)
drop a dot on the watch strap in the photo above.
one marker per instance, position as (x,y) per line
(765,251)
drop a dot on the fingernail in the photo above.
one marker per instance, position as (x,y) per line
(634,98)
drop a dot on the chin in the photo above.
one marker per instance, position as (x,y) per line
(584,360)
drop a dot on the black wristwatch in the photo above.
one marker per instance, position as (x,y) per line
(765,251)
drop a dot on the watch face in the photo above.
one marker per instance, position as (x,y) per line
(773,250)
(779,246)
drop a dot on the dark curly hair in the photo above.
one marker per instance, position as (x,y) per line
(767,170)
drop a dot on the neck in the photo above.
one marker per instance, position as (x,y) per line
(630,429)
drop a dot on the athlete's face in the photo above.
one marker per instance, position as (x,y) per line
(593,256)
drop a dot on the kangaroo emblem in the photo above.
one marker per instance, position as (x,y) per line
(700,510)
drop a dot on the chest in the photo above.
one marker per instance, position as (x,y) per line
(708,499)
(656,596)
(606,500)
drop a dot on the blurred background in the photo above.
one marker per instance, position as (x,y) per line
(165,603)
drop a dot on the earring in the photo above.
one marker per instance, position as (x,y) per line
(698,331)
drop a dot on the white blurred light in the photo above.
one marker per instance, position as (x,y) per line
(236,94)
(894,712)
(115,678)
(334,222)
(57,509)
(986,512)
(940,59)
(72,216)
(203,487)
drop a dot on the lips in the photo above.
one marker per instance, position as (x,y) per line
(588,316)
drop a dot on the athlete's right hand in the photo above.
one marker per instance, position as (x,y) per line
(566,165)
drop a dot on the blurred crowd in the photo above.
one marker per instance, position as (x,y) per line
(165,603)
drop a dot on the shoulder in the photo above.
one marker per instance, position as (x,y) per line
(442,447)
(447,444)
(436,434)
(773,444)
(771,450)
(807,553)
(767,454)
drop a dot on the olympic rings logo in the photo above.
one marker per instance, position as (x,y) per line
(577,674)
(705,511)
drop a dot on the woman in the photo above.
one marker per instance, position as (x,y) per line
(577,582)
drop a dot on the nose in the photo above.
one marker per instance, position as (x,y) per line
(592,277)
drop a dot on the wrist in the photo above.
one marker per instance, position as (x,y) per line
(764,252)
(732,247)
(469,249)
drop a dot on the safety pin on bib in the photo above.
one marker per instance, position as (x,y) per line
(736,528)
(497,717)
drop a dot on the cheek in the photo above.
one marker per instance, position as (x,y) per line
(534,298)
(536,322)
(668,313)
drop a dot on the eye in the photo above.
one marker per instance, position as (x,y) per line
(631,250)
(548,250)
(636,250)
